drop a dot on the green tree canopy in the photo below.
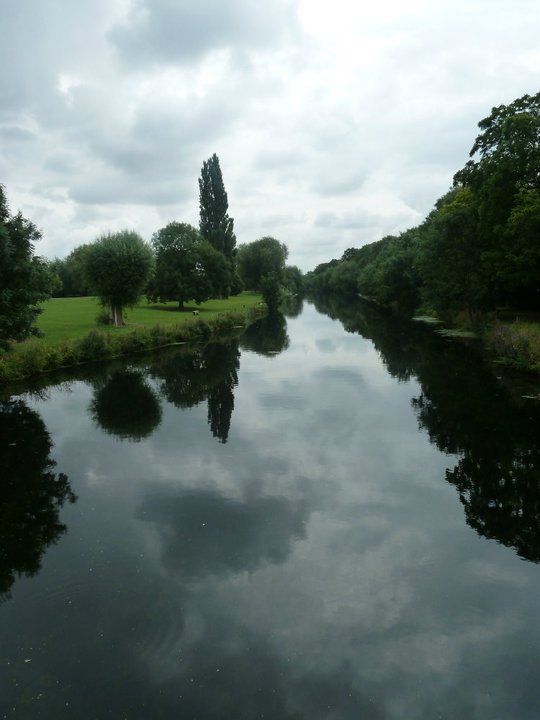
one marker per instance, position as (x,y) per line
(294,280)
(187,266)
(449,258)
(118,266)
(25,280)
(215,224)
(259,258)
(504,175)
(271,291)
(71,272)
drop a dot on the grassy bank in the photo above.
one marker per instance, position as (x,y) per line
(515,344)
(72,336)
(72,318)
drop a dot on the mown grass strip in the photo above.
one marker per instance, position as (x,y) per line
(68,350)
(72,318)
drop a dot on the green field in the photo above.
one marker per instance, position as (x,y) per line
(72,318)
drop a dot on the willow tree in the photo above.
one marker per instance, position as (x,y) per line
(118,267)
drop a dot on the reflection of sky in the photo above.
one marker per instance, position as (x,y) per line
(315,566)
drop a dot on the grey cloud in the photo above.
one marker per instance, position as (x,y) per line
(346,221)
(61,162)
(362,219)
(206,533)
(326,345)
(40,40)
(109,188)
(13,133)
(167,31)
(154,158)
(326,219)
(278,159)
(343,375)
(278,220)
(337,184)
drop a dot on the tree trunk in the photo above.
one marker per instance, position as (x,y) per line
(180,304)
(116,315)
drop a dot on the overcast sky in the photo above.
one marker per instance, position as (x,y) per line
(335,123)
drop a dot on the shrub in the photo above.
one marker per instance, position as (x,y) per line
(93,346)
(70,353)
(201,329)
(32,359)
(6,371)
(158,336)
(517,344)
(134,341)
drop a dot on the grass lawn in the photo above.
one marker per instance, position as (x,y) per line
(72,318)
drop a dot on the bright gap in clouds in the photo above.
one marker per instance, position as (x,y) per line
(342,19)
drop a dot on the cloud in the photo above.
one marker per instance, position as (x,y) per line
(168,32)
(335,124)
(207,533)
(339,185)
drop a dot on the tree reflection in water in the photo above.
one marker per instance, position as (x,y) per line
(267,336)
(465,412)
(31,494)
(125,405)
(292,306)
(206,373)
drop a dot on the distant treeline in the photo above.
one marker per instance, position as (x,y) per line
(480,246)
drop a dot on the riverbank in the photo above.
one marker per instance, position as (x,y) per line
(68,343)
(515,344)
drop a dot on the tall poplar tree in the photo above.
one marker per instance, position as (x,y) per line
(215,224)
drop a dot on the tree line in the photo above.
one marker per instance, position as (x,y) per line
(478,249)
(181,263)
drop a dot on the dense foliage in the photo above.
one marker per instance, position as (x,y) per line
(261,265)
(215,224)
(24,278)
(187,267)
(118,267)
(480,246)
(259,258)
(72,280)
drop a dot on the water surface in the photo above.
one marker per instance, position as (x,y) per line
(325,518)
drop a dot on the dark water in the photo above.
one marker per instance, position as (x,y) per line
(322,519)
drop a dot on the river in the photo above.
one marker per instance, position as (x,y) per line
(327,518)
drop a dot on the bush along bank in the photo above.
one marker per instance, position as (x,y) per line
(33,358)
(516,344)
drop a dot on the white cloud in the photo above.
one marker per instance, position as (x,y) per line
(344,117)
